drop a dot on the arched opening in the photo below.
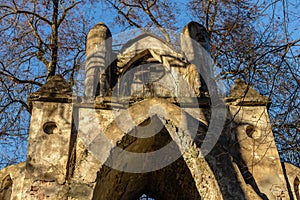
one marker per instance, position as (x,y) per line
(148,67)
(145,76)
(145,197)
(147,80)
(174,181)
(297,188)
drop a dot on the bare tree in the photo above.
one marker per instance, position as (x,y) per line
(252,41)
(146,13)
(39,39)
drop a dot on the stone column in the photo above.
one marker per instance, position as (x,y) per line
(98,57)
(195,44)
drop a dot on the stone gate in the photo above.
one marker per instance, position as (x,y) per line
(149,124)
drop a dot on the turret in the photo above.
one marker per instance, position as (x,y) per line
(98,57)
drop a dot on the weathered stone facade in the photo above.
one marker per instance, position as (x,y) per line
(146,98)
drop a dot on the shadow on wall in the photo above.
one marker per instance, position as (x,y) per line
(297,188)
(220,160)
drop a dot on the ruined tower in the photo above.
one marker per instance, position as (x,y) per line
(151,123)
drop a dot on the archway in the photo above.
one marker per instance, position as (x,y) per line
(175,180)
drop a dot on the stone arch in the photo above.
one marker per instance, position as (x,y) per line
(141,111)
(149,49)
(147,41)
(144,46)
(188,176)
(146,76)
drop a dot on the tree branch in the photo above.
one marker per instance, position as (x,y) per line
(40,53)
(63,16)
(34,14)
(131,22)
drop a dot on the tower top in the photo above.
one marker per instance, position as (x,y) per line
(56,89)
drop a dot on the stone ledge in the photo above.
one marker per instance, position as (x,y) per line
(186,102)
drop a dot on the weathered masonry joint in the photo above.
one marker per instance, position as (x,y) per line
(141,126)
